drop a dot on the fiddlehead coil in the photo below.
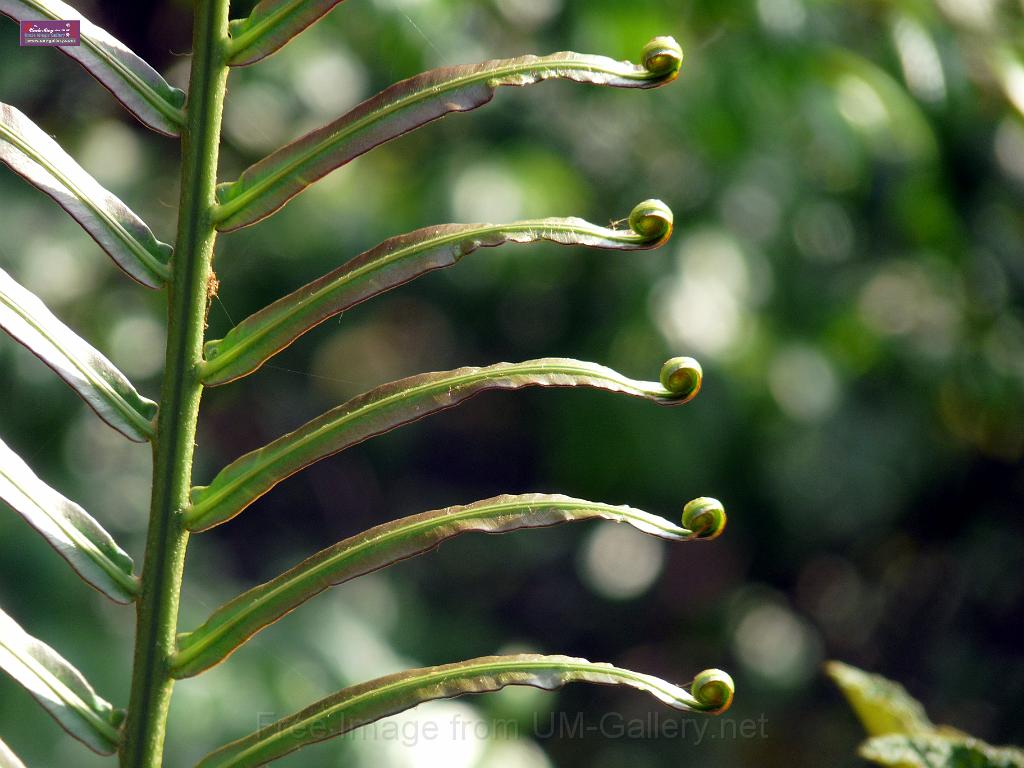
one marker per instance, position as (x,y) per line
(705,517)
(661,55)
(713,689)
(682,376)
(652,220)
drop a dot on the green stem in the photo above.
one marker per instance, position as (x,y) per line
(179,398)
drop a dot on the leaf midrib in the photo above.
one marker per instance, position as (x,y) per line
(254,29)
(149,261)
(143,427)
(241,345)
(67,696)
(238,202)
(191,651)
(82,542)
(144,89)
(196,511)
(643,682)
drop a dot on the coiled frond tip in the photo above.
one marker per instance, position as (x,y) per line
(663,55)
(714,689)
(682,376)
(705,517)
(651,220)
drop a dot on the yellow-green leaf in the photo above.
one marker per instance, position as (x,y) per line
(882,705)
(937,751)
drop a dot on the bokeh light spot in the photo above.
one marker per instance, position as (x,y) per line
(620,563)
(803,383)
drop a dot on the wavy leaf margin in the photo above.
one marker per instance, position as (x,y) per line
(231,625)
(359,705)
(265,187)
(397,261)
(400,402)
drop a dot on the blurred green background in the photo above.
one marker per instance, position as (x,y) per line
(848,181)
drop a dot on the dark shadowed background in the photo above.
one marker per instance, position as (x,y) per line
(848,265)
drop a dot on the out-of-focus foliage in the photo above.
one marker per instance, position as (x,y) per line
(900,732)
(933,751)
(848,266)
(882,706)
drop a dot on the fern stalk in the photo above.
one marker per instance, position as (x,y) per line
(161,654)
(180,394)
